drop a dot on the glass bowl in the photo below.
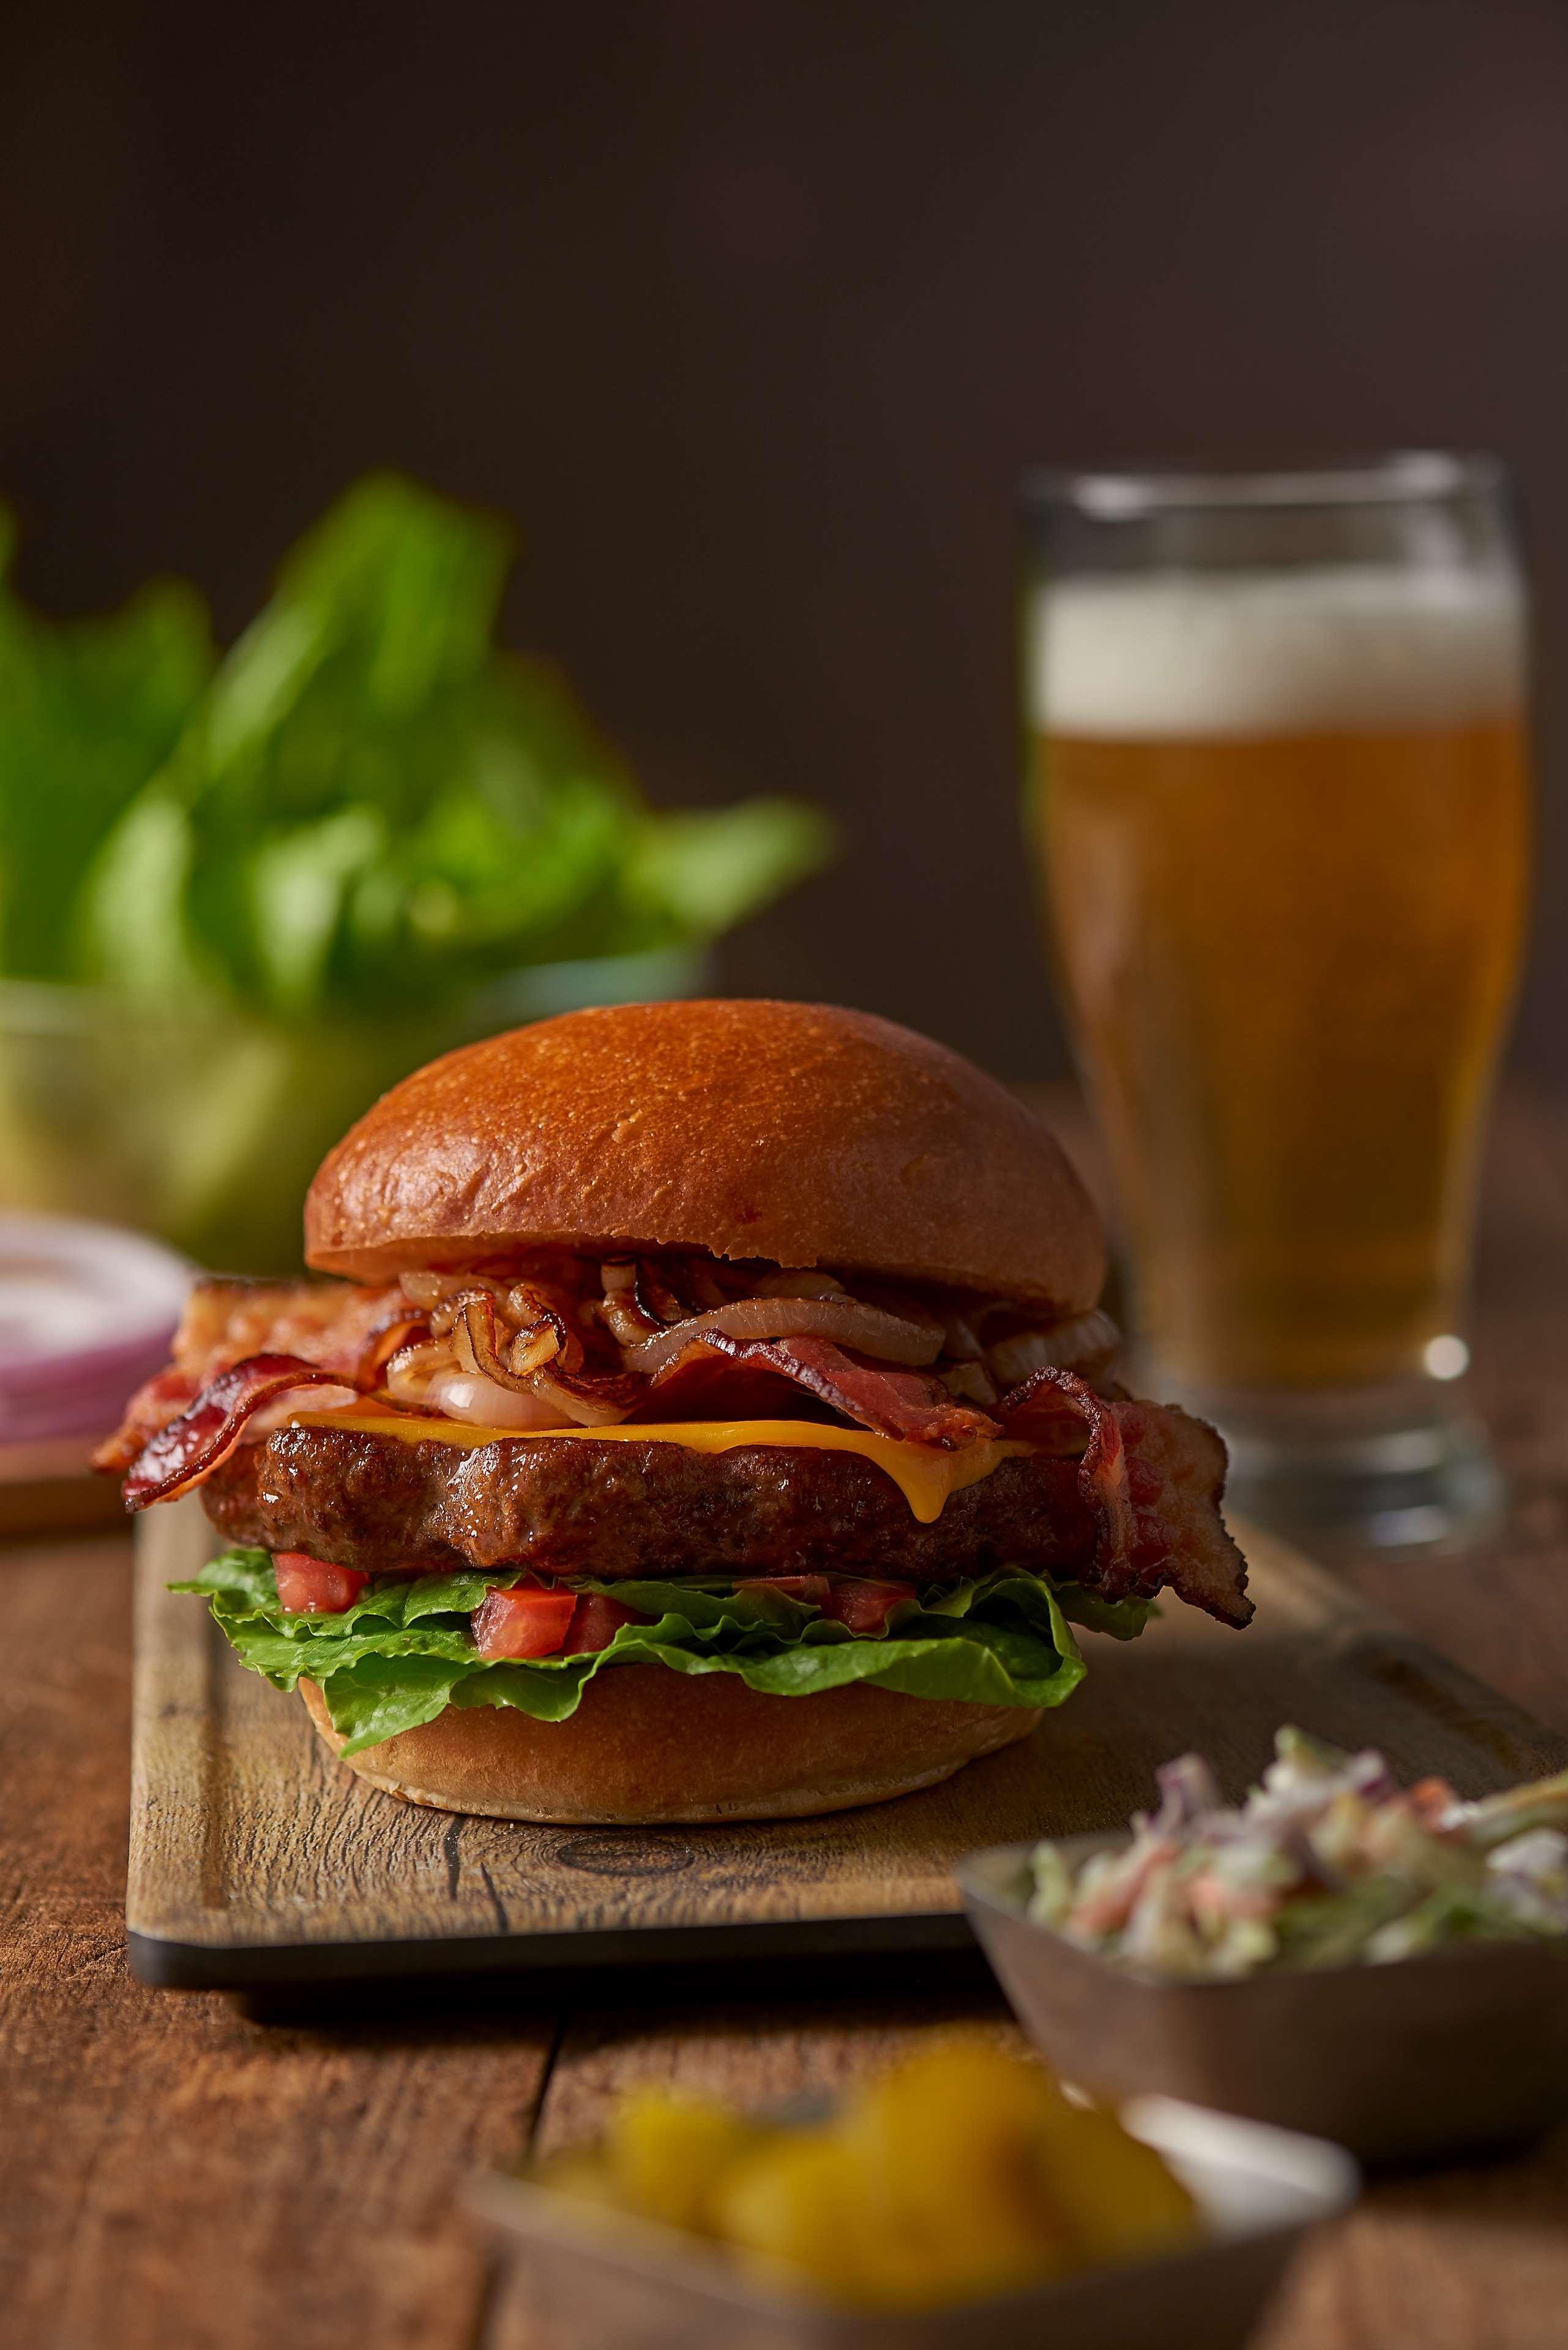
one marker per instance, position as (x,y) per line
(205,1128)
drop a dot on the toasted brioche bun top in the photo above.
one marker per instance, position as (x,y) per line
(794,1132)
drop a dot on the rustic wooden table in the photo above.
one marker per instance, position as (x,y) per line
(175,2173)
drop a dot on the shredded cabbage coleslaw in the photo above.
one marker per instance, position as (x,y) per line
(1325,1863)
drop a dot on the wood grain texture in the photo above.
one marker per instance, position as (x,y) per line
(172,2174)
(246,1837)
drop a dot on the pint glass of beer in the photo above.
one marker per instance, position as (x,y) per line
(1278,789)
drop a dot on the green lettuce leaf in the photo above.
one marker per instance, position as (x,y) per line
(1122,1619)
(403,1651)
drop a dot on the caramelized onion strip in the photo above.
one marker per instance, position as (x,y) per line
(411,1369)
(591,1399)
(427,1290)
(867,1329)
(476,1343)
(543,1331)
(1085,1343)
(394,1338)
(800,1284)
(623,1310)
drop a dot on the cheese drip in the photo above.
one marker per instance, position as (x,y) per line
(925,1476)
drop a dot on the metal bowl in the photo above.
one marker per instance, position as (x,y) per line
(1422,2056)
(591,2280)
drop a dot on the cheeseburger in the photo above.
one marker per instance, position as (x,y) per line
(706,1415)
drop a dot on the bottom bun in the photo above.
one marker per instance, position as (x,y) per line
(647,1745)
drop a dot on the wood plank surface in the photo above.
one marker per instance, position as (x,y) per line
(171,2173)
(174,2174)
(251,1843)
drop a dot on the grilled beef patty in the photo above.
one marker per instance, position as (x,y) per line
(617,1509)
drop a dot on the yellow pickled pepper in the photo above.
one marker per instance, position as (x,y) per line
(963,2171)
(796,2205)
(665,2153)
(1115,2195)
(945,2143)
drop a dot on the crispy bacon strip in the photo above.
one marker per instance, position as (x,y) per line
(189,1447)
(703,1383)
(1055,1410)
(155,1403)
(1176,1467)
(911,1405)
(334,1324)
(1152,1477)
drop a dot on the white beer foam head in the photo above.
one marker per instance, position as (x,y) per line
(1196,654)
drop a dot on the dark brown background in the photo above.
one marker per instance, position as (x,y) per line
(750,312)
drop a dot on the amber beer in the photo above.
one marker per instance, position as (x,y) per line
(1283,821)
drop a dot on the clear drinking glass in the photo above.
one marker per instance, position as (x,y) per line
(1278,785)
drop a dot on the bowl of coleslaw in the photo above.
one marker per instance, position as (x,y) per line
(1383,1967)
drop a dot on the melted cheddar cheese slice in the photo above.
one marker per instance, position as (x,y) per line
(924,1475)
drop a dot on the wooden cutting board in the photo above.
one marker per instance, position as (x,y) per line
(256,1859)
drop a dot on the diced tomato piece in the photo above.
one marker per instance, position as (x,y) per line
(862,1603)
(595,1620)
(812,1588)
(314,1586)
(859,1601)
(1431,1800)
(522,1620)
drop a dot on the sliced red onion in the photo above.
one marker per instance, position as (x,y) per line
(534,1347)
(960,1341)
(87,1314)
(657,1294)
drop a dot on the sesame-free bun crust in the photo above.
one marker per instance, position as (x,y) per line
(794,1132)
(649,1746)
